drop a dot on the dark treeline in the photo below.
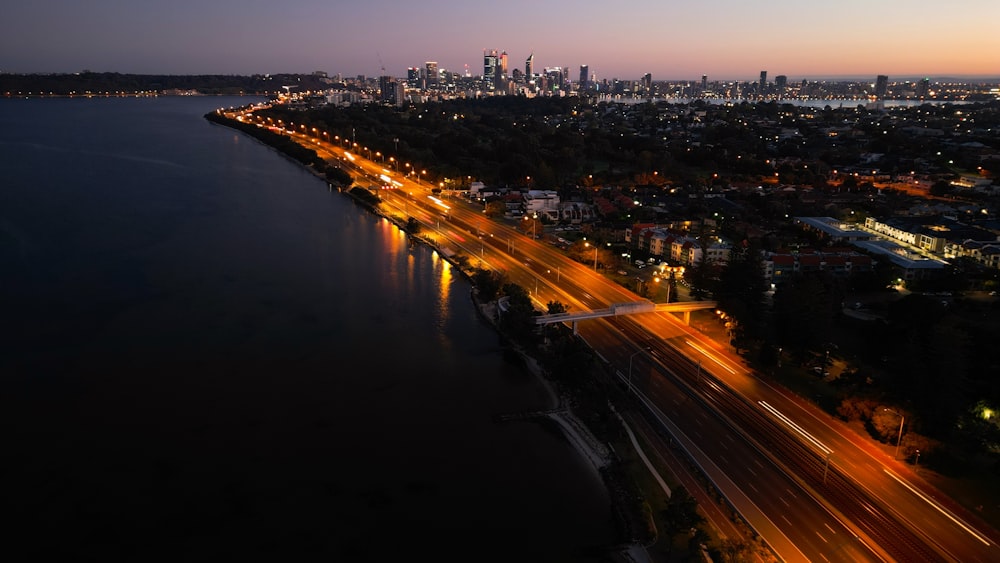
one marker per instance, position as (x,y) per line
(113,82)
(502,141)
(286,145)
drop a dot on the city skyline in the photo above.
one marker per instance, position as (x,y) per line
(722,39)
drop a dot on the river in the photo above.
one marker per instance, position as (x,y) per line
(207,354)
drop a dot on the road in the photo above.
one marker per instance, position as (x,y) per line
(811,487)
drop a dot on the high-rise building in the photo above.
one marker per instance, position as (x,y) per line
(584,77)
(390,90)
(704,82)
(881,86)
(780,82)
(647,84)
(529,66)
(763,82)
(500,78)
(413,77)
(432,74)
(924,88)
(491,62)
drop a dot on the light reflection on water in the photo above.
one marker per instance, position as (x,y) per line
(227,353)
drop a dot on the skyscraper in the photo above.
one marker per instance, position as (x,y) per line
(924,88)
(780,82)
(647,84)
(432,74)
(529,66)
(763,82)
(413,77)
(390,91)
(881,86)
(704,82)
(584,77)
(491,62)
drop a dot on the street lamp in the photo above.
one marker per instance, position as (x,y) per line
(899,438)
(587,244)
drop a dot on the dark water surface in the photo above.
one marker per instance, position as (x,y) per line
(206,354)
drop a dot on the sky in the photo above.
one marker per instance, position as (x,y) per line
(672,40)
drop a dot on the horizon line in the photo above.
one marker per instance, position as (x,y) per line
(842,77)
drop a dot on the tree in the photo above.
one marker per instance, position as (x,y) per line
(412,226)
(495,208)
(803,313)
(700,277)
(740,292)
(681,513)
(555,308)
(887,423)
(488,283)
(336,175)
(519,319)
(532,226)
(856,409)
(940,188)
(734,550)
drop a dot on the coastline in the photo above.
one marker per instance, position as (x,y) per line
(560,415)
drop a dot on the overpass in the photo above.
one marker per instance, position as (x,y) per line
(628,308)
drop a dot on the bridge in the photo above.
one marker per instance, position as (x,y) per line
(628,308)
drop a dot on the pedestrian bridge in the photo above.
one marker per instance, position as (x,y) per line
(628,308)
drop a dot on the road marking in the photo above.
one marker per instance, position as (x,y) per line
(821,537)
(753,487)
(937,506)
(785,518)
(751,472)
(832,531)
(782,499)
(790,493)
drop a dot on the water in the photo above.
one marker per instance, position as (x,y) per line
(208,355)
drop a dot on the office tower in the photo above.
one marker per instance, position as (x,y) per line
(924,88)
(584,77)
(390,91)
(529,66)
(647,84)
(491,62)
(500,75)
(413,77)
(780,82)
(555,78)
(881,86)
(432,74)
(704,82)
(763,82)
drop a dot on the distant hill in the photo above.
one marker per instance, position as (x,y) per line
(110,83)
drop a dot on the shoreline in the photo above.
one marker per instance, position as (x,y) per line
(561,416)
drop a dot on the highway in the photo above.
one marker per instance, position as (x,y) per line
(812,488)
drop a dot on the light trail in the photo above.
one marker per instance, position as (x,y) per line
(938,507)
(710,356)
(795,427)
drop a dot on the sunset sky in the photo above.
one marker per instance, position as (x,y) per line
(725,39)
